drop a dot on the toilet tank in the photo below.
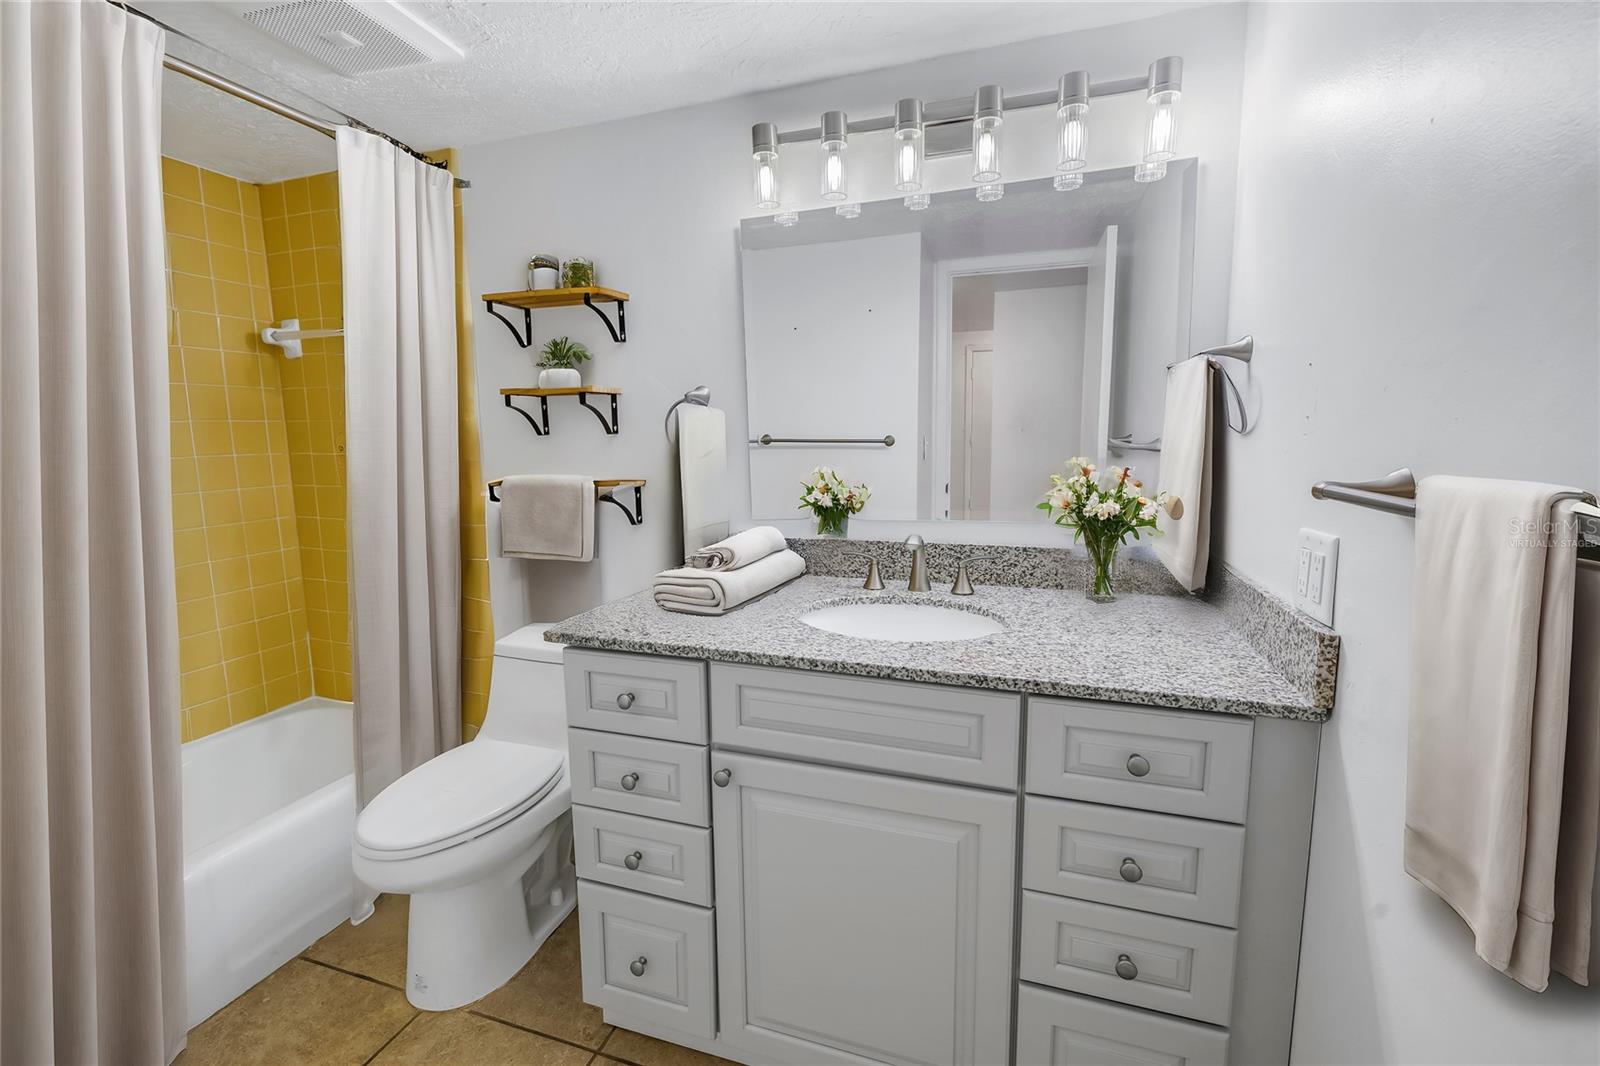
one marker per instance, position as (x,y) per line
(527,704)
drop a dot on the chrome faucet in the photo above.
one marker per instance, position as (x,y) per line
(919,569)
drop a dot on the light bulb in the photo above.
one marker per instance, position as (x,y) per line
(1068,182)
(908,145)
(1149,171)
(786,218)
(1161,127)
(917,201)
(1072,124)
(988,108)
(764,162)
(991,192)
(835,182)
(848,210)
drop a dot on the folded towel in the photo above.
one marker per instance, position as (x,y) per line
(741,549)
(1492,625)
(547,517)
(703,474)
(720,591)
(1185,544)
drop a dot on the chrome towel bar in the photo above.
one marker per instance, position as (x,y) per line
(767,438)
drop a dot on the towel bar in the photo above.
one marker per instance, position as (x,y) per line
(604,491)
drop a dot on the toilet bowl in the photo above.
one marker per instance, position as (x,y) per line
(480,837)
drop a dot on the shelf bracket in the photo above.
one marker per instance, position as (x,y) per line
(619,332)
(542,426)
(525,338)
(634,516)
(612,427)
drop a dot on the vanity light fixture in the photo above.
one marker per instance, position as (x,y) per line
(908,146)
(835,138)
(764,159)
(1072,129)
(988,114)
(1165,86)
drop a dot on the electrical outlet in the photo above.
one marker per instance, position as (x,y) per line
(1316,573)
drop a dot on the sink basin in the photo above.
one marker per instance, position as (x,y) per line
(909,622)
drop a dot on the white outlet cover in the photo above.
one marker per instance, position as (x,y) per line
(1316,574)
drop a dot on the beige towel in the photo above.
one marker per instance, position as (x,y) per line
(703,474)
(741,549)
(1580,800)
(1185,544)
(544,516)
(1492,617)
(720,591)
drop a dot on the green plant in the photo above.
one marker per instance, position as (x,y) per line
(564,353)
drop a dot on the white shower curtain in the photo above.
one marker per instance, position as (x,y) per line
(398,230)
(91,864)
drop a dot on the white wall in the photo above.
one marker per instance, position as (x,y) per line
(1038,379)
(1417,258)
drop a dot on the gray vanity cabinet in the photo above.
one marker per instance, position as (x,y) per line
(861,915)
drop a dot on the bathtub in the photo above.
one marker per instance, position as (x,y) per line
(269,807)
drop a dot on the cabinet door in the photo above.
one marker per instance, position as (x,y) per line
(861,917)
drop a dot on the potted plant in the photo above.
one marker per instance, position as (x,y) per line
(1103,510)
(832,500)
(559,360)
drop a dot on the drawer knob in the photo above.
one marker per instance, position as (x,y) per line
(1130,871)
(1125,968)
(722,777)
(636,967)
(632,861)
(624,701)
(630,782)
(1138,765)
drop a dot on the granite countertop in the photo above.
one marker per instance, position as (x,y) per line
(1159,650)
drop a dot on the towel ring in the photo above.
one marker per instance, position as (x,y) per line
(700,396)
(1242,349)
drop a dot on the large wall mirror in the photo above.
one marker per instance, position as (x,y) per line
(987,341)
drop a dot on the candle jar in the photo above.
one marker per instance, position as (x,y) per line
(578,273)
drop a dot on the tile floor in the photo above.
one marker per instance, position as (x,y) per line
(342,1003)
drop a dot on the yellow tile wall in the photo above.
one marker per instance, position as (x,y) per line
(242,616)
(300,226)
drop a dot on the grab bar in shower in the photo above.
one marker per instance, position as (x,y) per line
(767,438)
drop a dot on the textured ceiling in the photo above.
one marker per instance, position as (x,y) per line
(533,67)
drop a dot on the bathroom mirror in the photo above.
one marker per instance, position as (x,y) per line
(951,358)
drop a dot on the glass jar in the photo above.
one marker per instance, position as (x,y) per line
(577,273)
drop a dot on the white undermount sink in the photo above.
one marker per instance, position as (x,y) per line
(909,622)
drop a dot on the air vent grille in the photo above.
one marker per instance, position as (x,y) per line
(354,39)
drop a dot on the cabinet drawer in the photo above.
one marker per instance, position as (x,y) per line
(1165,964)
(644,854)
(1058,1029)
(648,958)
(951,734)
(1192,764)
(1151,862)
(651,777)
(644,695)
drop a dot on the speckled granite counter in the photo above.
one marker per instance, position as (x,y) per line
(1160,650)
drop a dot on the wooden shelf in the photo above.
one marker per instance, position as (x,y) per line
(604,491)
(541,425)
(591,296)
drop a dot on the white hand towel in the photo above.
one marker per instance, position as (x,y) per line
(1185,544)
(1492,618)
(547,517)
(720,591)
(703,474)
(741,549)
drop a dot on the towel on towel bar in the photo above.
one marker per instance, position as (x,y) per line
(741,549)
(544,516)
(1185,544)
(1491,706)
(720,591)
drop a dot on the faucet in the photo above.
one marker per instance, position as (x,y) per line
(919,570)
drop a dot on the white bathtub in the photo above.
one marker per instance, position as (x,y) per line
(269,807)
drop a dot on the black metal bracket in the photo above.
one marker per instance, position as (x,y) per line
(542,426)
(612,427)
(619,332)
(525,338)
(634,516)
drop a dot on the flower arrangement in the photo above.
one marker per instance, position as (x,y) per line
(1103,510)
(833,500)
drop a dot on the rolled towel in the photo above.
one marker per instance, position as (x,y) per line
(695,591)
(741,549)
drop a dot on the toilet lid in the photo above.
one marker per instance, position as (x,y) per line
(451,795)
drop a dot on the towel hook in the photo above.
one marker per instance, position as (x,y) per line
(700,396)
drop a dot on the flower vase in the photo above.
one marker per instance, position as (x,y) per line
(1102,585)
(560,377)
(835,524)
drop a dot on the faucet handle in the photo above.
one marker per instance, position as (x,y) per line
(963,584)
(874,582)
(914,542)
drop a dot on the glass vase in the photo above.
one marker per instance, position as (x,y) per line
(833,524)
(1102,585)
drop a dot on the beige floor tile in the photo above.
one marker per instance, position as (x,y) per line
(456,1037)
(547,994)
(301,1015)
(648,1051)
(376,948)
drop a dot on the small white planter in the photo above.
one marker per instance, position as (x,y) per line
(560,377)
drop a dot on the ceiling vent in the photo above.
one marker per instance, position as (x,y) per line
(354,38)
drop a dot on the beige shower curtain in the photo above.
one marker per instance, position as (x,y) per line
(91,936)
(398,232)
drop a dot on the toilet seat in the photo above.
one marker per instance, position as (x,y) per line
(455,797)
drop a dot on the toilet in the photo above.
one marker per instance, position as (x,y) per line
(480,837)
